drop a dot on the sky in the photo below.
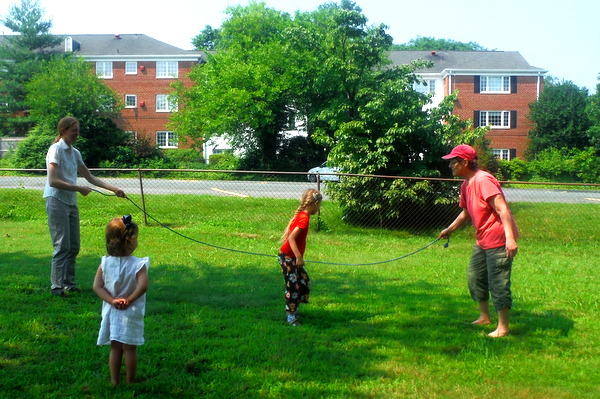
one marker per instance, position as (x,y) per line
(562,37)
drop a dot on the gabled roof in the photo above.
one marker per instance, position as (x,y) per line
(127,46)
(464,62)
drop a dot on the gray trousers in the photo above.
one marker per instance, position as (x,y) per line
(63,222)
(489,273)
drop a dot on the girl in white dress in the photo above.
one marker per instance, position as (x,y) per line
(121,282)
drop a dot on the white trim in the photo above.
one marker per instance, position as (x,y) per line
(493,72)
(142,57)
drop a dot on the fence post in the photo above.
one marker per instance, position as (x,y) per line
(319,213)
(142,192)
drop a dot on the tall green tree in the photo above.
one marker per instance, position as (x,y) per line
(68,87)
(208,39)
(593,112)
(431,43)
(560,118)
(244,91)
(21,55)
(367,113)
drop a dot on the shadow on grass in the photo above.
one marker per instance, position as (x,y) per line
(219,330)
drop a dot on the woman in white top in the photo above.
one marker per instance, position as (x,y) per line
(63,162)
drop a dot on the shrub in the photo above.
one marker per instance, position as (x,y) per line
(566,165)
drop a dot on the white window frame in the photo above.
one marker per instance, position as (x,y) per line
(129,97)
(164,104)
(494,84)
(425,86)
(131,68)
(501,153)
(167,69)
(104,69)
(168,141)
(488,118)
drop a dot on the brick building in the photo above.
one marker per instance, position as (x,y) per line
(141,70)
(494,88)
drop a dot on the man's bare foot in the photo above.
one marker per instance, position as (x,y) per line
(498,333)
(482,321)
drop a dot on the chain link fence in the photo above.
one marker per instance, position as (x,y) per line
(401,203)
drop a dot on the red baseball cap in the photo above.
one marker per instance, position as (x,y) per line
(463,151)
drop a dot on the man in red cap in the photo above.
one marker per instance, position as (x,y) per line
(482,201)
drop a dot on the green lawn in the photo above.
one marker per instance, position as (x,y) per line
(215,321)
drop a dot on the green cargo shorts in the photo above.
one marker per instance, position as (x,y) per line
(489,273)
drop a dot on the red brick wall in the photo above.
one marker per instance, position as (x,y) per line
(145,121)
(469,101)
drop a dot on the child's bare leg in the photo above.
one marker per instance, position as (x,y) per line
(130,362)
(484,314)
(115,361)
(502,329)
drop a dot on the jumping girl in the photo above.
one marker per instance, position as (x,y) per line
(291,254)
(121,282)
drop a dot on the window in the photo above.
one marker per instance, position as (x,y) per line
(167,69)
(163,104)
(425,86)
(494,84)
(130,101)
(495,119)
(104,69)
(166,139)
(130,67)
(501,153)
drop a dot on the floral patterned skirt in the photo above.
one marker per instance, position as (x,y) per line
(297,282)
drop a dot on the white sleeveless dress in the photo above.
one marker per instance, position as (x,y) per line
(125,326)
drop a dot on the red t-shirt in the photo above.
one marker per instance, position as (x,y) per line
(474,195)
(301,220)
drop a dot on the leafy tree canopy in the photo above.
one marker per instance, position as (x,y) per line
(21,55)
(208,39)
(67,87)
(593,112)
(431,43)
(560,118)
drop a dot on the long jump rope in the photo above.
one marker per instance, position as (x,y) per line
(268,255)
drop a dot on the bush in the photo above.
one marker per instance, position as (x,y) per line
(395,204)
(224,161)
(566,165)
(31,152)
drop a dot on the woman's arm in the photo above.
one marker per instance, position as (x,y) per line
(85,172)
(55,181)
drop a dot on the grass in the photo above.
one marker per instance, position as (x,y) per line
(215,321)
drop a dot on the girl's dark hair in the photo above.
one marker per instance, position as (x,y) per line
(120,233)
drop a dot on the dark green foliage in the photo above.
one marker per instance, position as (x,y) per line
(208,39)
(560,119)
(431,43)
(566,165)
(31,152)
(136,153)
(21,57)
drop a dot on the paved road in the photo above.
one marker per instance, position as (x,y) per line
(284,189)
